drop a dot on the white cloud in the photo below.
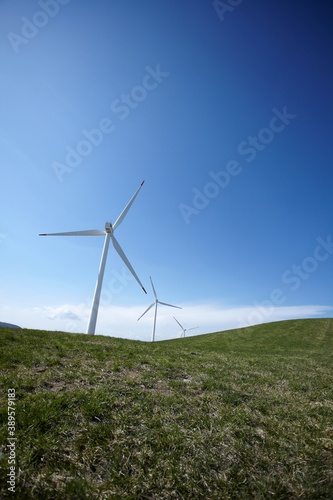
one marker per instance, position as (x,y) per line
(120,321)
(75,313)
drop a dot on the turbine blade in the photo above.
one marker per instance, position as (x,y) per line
(125,259)
(178,323)
(151,281)
(89,232)
(126,209)
(165,304)
(151,305)
(193,328)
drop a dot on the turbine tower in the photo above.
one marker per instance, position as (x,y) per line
(184,329)
(108,233)
(155,314)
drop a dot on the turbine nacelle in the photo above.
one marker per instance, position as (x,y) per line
(108,228)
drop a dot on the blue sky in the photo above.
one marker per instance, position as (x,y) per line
(223,108)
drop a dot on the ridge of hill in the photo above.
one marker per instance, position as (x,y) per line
(8,325)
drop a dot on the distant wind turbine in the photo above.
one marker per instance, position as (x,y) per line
(184,329)
(108,233)
(155,303)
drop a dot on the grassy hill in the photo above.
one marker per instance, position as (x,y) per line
(232,415)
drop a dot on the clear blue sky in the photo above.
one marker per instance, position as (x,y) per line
(227,116)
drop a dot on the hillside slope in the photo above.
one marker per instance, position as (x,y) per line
(8,325)
(238,414)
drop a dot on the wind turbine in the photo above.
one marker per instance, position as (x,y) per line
(108,233)
(155,303)
(184,329)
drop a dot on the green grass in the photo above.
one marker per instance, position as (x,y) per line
(243,414)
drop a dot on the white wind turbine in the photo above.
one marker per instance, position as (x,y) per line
(108,233)
(155,303)
(184,329)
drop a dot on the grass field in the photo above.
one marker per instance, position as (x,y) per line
(243,414)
